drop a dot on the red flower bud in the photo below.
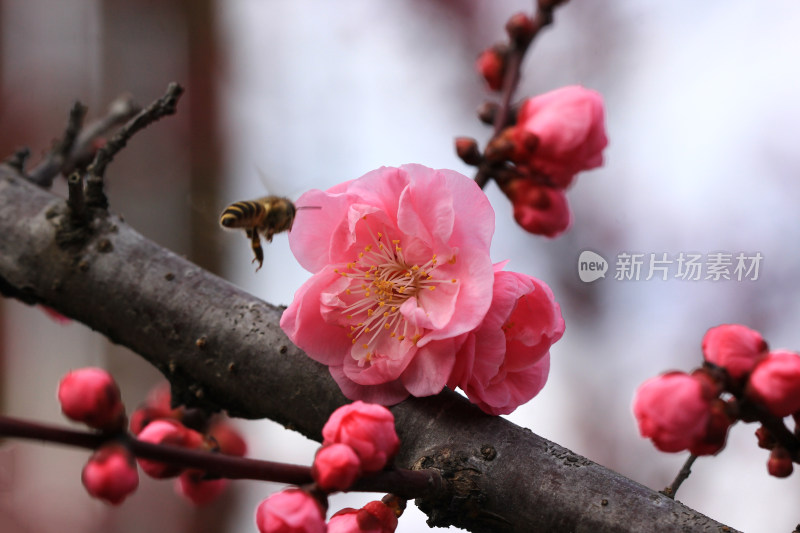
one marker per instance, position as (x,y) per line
(734,347)
(368,429)
(336,467)
(673,411)
(290,511)
(775,383)
(110,474)
(491,64)
(539,209)
(779,463)
(169,432)
(192,486)
(91,396)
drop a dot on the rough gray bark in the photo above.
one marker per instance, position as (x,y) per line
(223,349)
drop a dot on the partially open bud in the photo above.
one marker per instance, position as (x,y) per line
(90,395)
(110,474)
(193,486)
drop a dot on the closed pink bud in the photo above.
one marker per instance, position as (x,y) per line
(171,433)
(290,511)
(375,517)
(110,474)
(734,347)
(336,467)
(368,429)
(569,123)
(672,410)
(539,209)
(90,395)
(775,383)
(192,486)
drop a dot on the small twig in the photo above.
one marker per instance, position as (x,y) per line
(405,483)
(44,173)
(542,18)
(683,474)
(75,199)
(166,105)
(83,147)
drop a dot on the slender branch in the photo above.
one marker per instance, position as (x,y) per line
(683,475)
(406,483)
(166,105)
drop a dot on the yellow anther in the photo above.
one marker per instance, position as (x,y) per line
(432,287)
(454,280)
(386,326)
(415,268)
(452,260)
(365,346)
(370,312)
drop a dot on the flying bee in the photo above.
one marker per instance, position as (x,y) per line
(264,216)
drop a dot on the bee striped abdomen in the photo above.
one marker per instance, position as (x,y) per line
(242,214)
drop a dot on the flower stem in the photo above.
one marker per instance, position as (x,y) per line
(683,474)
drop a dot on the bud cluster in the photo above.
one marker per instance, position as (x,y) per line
(91,396)
(541,145)
(741,380)
(359,438)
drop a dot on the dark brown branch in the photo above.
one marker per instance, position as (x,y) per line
(158,304)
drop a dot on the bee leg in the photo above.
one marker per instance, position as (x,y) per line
(255,244)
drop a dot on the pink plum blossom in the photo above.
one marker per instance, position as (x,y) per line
(775,383)
(336,466)
(110,474)
(90,395)
(734,347)
(401,268)
(673,410)
(505,361)
(290,511)
(368,429)
(569,124)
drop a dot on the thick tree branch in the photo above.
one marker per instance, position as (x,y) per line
(142,296)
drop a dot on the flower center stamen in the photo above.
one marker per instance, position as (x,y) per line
(382,280)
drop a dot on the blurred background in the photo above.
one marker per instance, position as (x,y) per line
(703,120)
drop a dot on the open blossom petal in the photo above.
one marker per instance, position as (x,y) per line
(505,362)
(401,268)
